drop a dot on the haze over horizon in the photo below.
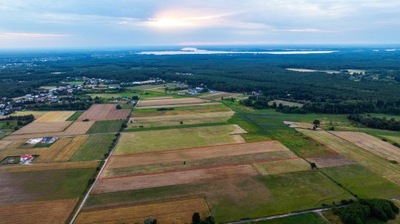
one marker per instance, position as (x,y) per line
(105,23)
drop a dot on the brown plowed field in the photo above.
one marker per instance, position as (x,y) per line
(172,178)
(371,144)
(171,212)
(43,127)
(102,112)
(173,101)
(55,116)
(41,212)
(330,161)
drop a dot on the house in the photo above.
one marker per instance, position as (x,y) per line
(26,159)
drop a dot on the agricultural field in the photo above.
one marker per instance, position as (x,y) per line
(308,218)
(173,211)
(182,110)
(371,144)
(147,141)
(43,127)
(106,127)
(78,128)
(94,148)
(184,119)
(101,112)
(49,166)
(170,101)
(222,95)
(38,212)
(36,114)
(55,116)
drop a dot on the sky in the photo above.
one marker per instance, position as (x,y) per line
(119,23)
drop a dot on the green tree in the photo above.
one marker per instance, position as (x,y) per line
(196,218)
(316,124)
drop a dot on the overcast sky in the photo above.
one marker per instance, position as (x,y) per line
(113,23)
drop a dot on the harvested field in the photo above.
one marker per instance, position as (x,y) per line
(330,161)
(157,121)
(38,212)
(102,112)
(282,166)
(78,128)
(63,149)
(147,141)
(36,114)
(195,158)
(179,105)
(172,178)
(173,211)
(55,116)
(43,127)
(371,144)
(371,161)
(173,101)
(49,166)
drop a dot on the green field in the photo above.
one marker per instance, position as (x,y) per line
(363,182)
(75,116)
(308,218)
(45,185)
(147,141)
(94,148)
(246,197)
(181,110)
(105,127)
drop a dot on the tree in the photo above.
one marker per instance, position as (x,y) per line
(196,218)
(316,124)
(118,107)
(313,166)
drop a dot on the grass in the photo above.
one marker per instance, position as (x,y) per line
(363,182)
(146,141)
(182,110)
(47,184)
(94,148)
(105,127)
(75,116)
(307,218)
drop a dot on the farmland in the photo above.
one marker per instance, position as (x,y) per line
(183,110)
(106,127)
(43,127)
(101,112)
(170,101)
(55,116)
(146,141)
(94,148)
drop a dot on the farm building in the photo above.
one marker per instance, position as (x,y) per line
(26,159)
(48,140)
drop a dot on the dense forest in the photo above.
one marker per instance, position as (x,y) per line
(375,91)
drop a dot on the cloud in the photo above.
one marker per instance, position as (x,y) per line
(31,35)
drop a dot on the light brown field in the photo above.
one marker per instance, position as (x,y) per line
(36,114)
(62,150)
(102,112)
(371,144)
(40,212)
(39,127)
(373,162)
(156,121)
(173,211)
(172,178)
(330,161)
(78,128)
(195,158)
(173,101)
(49,166)
(282,166)
(55,116)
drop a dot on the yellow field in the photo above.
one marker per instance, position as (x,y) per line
(371,161)
(282,166)
(36,114)
(55,116)
(37,212)
(62,150)
(371,144)
(156,121)
(78,128)
(178,211)
(49,166)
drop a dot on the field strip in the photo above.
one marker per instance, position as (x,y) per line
(55,116)
(43,127)
(172,211)
(172,101)
(174,178)
(201,168)
(49,166)
(38,211)
(179,105)
(371,144)
(183,116)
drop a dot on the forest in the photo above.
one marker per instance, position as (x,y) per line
(265,74)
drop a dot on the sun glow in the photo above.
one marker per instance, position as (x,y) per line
(170,22)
